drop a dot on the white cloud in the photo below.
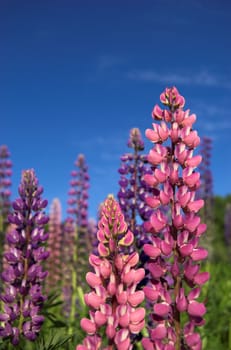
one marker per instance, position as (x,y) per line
(108,61)
(216,126)
(202,78)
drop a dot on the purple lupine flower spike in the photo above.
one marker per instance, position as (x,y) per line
(113,300)
(54,246)
(76,241)
(133,188)
(206,193)
(5,203)
(78,210)
(78,193)
(23,275)
(5,183)
(175,253)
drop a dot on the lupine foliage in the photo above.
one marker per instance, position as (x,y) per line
(160,194)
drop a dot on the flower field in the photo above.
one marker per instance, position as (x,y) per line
(152,271)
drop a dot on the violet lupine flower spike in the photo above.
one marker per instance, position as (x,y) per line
(5,183)
(114,302)
(78,209)
(54,246)
(175,253)
(22,298)
(80,240)
(133,188)
(5,203)
(206,193)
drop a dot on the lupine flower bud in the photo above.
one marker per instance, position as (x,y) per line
(22,298)
(114,299)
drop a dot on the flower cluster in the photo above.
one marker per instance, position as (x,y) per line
(113,299)
(78,193)
(133,188)
(78,209)
(206,188)
(5,183)
(5,203)
(175,252)
(206,193)
(22,298)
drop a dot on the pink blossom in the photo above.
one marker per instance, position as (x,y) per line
(174,252)
(114,299)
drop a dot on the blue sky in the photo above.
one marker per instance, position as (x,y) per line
(76,76)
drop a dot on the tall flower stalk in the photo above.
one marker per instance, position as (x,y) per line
(5,183)
(53,265)
(78,209)
(113,301)
(76,242)
(5,193)
(133,188)
(23,275)
(175,253)
(206,193)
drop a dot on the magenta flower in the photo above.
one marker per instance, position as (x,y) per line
(22,298)
(175,253)
(114,299)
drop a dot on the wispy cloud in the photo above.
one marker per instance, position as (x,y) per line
(105,66)
(115,142)
(108,61)
(221,110)
(213,120)
(202,78)
(216,126)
